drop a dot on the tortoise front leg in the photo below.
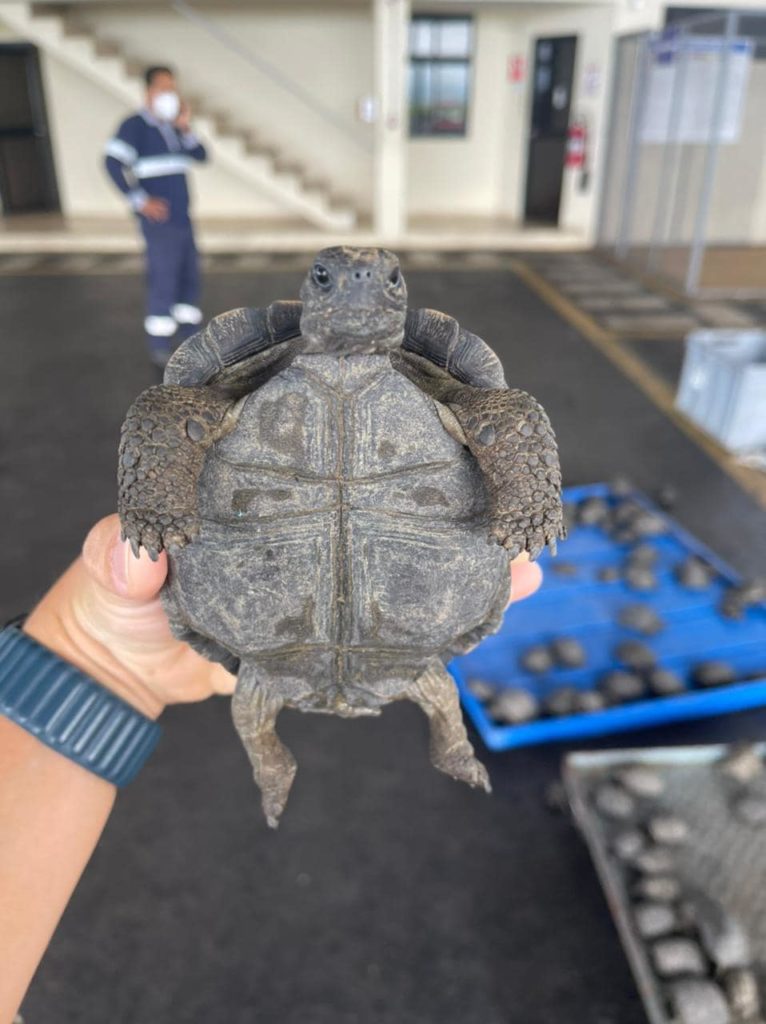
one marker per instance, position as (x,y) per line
(165,437)
(511,438)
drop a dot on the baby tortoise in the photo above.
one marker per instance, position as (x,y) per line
(340,484)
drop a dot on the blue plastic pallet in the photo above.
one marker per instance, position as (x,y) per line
(585,608)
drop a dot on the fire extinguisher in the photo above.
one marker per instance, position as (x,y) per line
(577,150)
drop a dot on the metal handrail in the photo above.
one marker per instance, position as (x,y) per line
(184,8)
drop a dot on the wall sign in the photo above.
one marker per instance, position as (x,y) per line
(680,96)
(517,69)
(591,80)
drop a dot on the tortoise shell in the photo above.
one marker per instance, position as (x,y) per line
(343,534)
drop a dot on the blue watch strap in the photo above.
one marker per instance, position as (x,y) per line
(70,712)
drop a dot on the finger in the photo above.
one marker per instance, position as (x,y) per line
(110,562)
(221,681)
(526,577)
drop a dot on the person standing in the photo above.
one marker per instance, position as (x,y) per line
(147,159)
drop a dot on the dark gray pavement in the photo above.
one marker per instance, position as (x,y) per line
(390,895)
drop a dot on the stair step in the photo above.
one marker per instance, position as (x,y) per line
(134,68)
(45,25)
(81,45)
(107,48)
(286,166)
(114,67)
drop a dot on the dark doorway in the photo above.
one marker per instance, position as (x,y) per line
(27,174)
(551,100)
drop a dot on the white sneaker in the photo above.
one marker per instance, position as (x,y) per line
(183,313)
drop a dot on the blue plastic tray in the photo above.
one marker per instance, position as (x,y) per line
(585,608)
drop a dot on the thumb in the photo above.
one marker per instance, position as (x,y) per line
(526,577)
(111,564)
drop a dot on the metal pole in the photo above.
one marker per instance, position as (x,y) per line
(607,184)
(668,182)
(697,249)
(622,242)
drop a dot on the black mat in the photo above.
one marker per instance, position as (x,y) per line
(390,895)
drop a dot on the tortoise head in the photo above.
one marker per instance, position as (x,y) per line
(354,300)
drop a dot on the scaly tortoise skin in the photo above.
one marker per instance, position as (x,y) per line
(340,485)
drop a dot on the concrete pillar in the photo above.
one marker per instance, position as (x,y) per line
(392,19)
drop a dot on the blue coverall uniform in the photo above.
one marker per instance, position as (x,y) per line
(148,157)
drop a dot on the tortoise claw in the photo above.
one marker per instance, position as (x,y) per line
(156,533)
(515,538)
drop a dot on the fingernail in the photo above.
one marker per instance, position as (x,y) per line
(120,555)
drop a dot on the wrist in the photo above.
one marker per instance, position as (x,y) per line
(69,712)
(137,198)
(66,637)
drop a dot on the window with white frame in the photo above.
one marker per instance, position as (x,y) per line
(440,74)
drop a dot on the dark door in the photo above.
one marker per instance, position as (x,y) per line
(551,100)
(27,176)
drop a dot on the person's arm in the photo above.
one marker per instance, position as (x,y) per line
(120,156)
(51,816)
(103,616)
(191,144)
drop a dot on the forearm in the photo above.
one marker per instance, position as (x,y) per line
(193,146)
(125,182)
(52,813)
(103,616)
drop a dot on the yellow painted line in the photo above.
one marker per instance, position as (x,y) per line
(636,370)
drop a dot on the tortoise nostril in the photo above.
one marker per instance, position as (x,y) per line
(357,275)
(368,274)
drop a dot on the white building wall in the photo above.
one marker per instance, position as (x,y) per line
(592,25)
(485,173)
(325,51)
(329,51)
(465,176)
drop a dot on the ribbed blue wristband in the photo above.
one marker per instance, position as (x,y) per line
(70,712)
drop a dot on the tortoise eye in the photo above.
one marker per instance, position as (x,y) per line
(394,277)
(320,275)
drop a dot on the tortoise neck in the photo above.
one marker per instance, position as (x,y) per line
(338,345)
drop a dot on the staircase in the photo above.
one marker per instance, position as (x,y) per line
(250,158)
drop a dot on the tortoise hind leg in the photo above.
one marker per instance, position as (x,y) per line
(451,751)
(203,645)
(255,707)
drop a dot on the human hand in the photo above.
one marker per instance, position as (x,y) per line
(526,577)
(104,615)
(183,121)
(155,209)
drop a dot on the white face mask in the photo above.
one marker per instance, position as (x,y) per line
(166,106)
